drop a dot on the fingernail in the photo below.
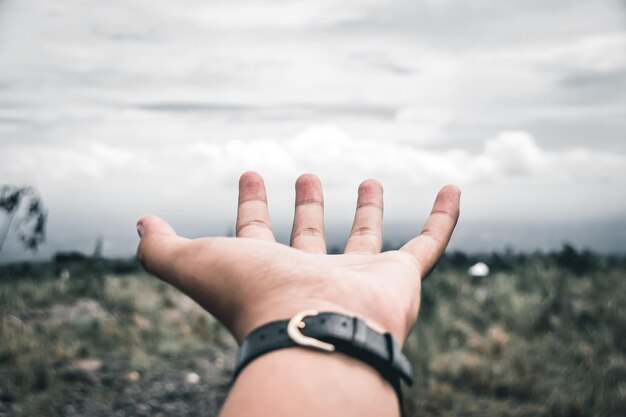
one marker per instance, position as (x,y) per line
(140,229)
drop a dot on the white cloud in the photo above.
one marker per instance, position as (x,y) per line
(509,156)
(510,153)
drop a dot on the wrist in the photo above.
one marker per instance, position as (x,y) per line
(329,333)
(306,383)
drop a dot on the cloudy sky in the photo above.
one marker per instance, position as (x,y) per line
(120,108)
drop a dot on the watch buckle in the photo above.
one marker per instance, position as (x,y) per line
(293,330)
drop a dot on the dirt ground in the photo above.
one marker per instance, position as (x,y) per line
(181,386)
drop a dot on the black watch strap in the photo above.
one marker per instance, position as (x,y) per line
(331,332)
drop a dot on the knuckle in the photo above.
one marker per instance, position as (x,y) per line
(309,202)
(252,223)
(308,231)
(364,231)
(444,213)
(434,237)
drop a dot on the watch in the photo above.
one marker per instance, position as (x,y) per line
(330,332)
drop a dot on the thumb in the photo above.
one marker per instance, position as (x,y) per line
(153,225)
(158,245)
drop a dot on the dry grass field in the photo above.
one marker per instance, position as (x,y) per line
(542,335)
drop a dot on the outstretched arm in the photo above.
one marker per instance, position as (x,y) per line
(250,280)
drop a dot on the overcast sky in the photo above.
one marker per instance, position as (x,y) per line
(119,108)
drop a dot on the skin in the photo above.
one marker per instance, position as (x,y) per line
(251,279)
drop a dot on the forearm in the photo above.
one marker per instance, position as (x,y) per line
(301,382)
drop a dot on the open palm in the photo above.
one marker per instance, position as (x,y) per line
(251,279)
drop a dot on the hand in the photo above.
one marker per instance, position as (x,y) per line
(250,280)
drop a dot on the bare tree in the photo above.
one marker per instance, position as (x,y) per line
(23,208)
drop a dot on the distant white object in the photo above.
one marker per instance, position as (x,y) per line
(192,378)
(479,269)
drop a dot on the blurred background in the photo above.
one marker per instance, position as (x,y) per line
(111,110)
(120,108)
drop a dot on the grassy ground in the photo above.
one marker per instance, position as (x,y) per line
(535,339)
(544,335)
(90,343)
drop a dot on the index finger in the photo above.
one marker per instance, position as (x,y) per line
(436,233)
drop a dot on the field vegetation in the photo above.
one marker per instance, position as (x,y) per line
(543,335)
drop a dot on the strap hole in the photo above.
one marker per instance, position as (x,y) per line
(262,337)
(281,331)
(323,321)
(344,324)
